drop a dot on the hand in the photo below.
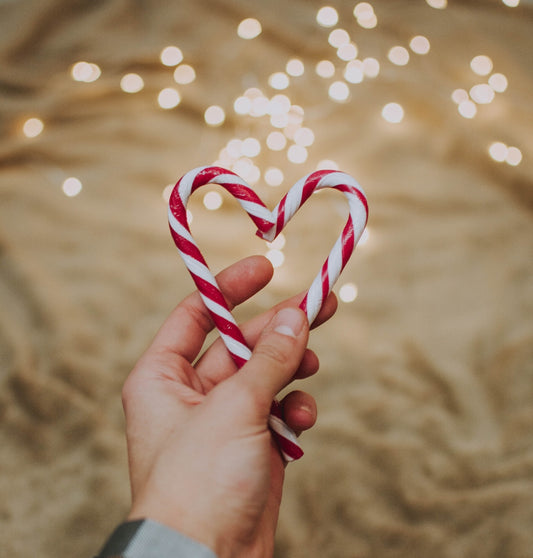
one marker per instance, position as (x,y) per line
(201,456)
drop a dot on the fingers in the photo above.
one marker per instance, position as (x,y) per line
(184,331)
(299,411)
(276,356)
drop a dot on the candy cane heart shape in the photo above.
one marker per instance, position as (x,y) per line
(269,224)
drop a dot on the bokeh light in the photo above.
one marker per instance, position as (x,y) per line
(274,177)
(347,52)
(325,69)
(498,82)
(297,154)
(279,80)
(371,67)
(214,115)
(511,3)
(249,28)
(276,257)
(85,71)
(393,113)
(168,98)
(467,109)
(295,67)
(514,156)
(276,141)
(481,65)
(498,151)
(72,186)
(398,55)
(327,16)
(438,4)
(212,200)
(131,83)
(32,127)
(171,56)
(420,44)
(459,96)
(348,292)
(482,93)
(339,91)
(184,74)
(338,37)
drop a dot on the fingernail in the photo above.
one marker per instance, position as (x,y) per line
(289,321)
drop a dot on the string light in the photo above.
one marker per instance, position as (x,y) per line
(327,164)
(214,115)
(498,82)
(498,151)
(393,113)
(348,292)
(131,83)
(279,104)
(459,96)
(325,69)
(438,4)
(297,154)
(184,74)
(242,105)
(371,67)
(339,91)
(353,72)
(481,65)
(364,13)
(304,137)
(168,98)
(32,127)
(279,80)
(295,67)
(249,28)
(72,186)
(171,56)
(419,44)
(347,52)
(514,156)
(482,94)
(250,147)
(467,109)
(278,243)
(398,55)
(276,257)
(85,71)
(212,200)
(274,177)
(338,37)
(327,16)
(276,141)
(511,3)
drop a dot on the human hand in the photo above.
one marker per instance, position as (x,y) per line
(201,456)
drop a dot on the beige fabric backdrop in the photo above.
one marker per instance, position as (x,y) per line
(424,444)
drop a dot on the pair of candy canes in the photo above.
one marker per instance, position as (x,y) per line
(269,225)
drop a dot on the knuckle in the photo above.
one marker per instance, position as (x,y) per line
(273,354)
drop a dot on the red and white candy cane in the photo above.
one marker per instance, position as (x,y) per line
(269,225)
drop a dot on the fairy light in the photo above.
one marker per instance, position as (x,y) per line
(398,55)
(276,141)
(250,147)
(482,94)
(245,167)
(419,44)
(184,74)
(511,3)
(438,4)
(32,127)
(325,69)
(85,71)
(353,72)
(279,80)
(514,156)
(260,106)
(467,109)
(348,292)
(295,67)
(214,115)
(498,151)
(168,98)
(347,52)
(72,186)
(371,67)
(279,120)
(327,16)
(338,38)
(481,65)
(459,96)
(339,91)
(242,105)
(393,113)
(278,243)
(364,13)
(171,56)
(304,137)
(249,28)
(498,82)
(327,164)
(212,200)
(279,104)
(131,83)
(274,177)
(297,154)
(276,257)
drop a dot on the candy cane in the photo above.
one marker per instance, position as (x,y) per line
(269,225)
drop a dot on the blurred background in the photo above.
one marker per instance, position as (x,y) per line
(424,443)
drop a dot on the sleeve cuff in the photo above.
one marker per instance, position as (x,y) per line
(145,538)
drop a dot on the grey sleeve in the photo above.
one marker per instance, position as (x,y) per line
(146,538)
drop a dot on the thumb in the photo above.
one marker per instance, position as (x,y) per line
(277,354)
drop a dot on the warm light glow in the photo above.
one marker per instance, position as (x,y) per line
(234,148)
(398,55)
(184,74)
(214,115)
(279,120)
(514,156)
(279,104)
(498,82)
(339,91)
(439,4)
(171,56)
(364,13)
(498,151)
(244,167)
(511,3)
(85,71)
(72,186)
(420,44)
(304,136)
(276,257)
(297,154)
(338,37)
(467,109)
(482,94)
(393,113)
(481,65)
(249,28)
(276,141)
(131,83)
(168,98)
(327,164)
(325,69)
(348,292)
(260,106)
(368,22)
(278,243)
(295,67)
(327,16)
(250,147)
(212,200)
(371,67)
(354,72)
(459,96)
(242,105)
(347,52)
(279,80)
(32,127)
(273,177)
